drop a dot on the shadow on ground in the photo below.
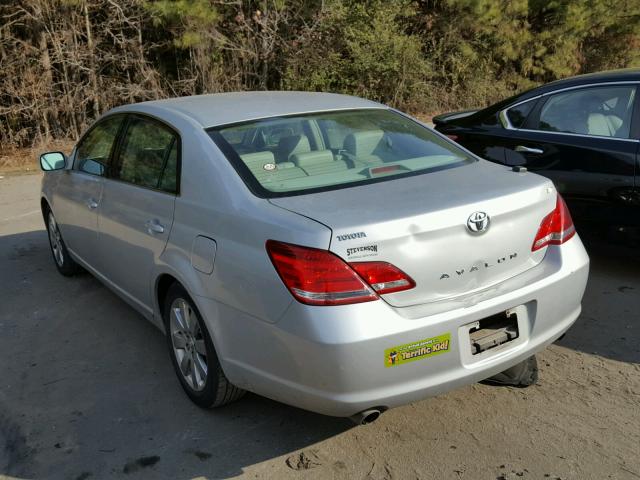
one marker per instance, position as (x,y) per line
(87,381)
(610,322)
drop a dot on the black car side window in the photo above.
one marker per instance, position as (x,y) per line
(148,156)
(94,150)
(518,115)
(598,111)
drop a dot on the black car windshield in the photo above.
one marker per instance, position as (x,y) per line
(314,152)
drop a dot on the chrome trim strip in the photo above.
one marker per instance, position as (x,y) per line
(504,119)
(589,85)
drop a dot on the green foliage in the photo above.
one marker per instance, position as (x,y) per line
(439,54)
(65,61)
(488,49)
(362,49)
(191,17)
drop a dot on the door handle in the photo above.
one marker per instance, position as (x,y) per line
(523,149)
(153,226)
(92,204)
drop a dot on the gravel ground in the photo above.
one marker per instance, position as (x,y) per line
(87,391)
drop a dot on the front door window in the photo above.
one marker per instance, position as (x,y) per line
(598,111)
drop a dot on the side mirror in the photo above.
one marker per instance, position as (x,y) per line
(53,161)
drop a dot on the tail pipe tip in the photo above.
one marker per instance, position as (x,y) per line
(366,416)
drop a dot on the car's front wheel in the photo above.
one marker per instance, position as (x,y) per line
(66,265)
(192,353)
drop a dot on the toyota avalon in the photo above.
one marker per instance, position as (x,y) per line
(321,250)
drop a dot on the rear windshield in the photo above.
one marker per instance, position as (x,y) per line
(315,152)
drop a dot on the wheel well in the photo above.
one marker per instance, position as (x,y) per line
(162,287)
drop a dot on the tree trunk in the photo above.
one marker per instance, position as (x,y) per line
(92,63)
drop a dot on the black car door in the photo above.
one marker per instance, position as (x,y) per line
(585,139)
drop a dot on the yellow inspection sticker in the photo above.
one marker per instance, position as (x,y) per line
(410,352)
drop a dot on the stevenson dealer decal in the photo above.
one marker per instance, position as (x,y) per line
(366,251)
(417,350)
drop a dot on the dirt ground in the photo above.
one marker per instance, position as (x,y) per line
(87,391)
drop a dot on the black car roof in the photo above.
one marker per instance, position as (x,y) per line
(625,75)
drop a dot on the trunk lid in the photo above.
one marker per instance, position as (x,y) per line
(452,116)
(419,224)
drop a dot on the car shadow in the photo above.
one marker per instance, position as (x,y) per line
(91,392)
(609,325)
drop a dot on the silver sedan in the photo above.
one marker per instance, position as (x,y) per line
(321,250)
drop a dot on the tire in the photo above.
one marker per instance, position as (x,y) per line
(66,265)
(522,375)
(192,352)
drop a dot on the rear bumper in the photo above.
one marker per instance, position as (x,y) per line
(332,360)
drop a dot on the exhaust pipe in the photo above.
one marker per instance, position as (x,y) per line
(366,416)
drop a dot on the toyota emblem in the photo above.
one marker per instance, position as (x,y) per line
(478,222)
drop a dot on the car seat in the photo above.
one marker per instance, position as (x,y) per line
(362,147)
(291,145)
(603,125)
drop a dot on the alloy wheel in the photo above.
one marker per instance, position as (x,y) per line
(56,241)
(188,344)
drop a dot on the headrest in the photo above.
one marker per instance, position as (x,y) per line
(310,159)
(363,143)
(293,144)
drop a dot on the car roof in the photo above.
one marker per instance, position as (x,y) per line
(624,75)
(227,108)
(612,76)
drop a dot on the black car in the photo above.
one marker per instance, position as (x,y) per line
(582,132)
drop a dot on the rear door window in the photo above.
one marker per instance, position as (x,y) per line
(148,156)
(518,115)
(94,150)
(597,111)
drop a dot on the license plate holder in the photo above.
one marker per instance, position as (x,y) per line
(493,331)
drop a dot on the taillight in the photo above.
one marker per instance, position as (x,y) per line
(453,137)
(319,277)
(556,228)
(383,277)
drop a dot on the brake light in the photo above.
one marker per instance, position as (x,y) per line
(318,277)
(556,228)
(383,277)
